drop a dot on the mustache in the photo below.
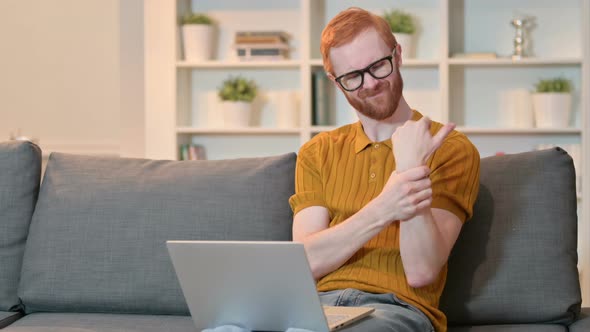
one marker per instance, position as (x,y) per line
(382,85)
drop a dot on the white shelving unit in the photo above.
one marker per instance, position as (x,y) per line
(180,94)
(510,62)
(238,65)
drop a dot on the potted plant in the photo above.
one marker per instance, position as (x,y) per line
(403,28)
(197,36)
(237,95)
(552,101)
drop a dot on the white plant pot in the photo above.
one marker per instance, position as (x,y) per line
(198,42)
(236,113)
(516,109)
(552,110)
(407,42)
(287,109)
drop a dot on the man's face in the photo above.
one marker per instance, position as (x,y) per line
(376,98)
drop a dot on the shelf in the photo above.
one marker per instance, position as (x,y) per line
(492,131)
(237,131)
(233,64)
(319,129)
(510,62)
(316,62)
(519,131)
(406,63)
(484,62)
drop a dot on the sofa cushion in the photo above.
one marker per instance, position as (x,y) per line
(97,238)
(583,322)
(20,173)
(510,328)
(70,322)
(515,262)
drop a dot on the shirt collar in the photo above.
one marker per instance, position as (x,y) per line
(362,141)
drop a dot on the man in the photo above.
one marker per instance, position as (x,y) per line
(380,203)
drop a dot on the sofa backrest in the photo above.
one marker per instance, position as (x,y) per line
(20,173)
(516,260)
(97,238)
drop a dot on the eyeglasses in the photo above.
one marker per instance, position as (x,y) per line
(379,69)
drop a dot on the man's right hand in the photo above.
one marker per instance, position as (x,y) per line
(327,248)
(405,194)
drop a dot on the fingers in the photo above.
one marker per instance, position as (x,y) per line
(422,195)
(441,134)
(422,199)
(425,121)
(426,203)
(417,203)
(416,173)
(412,188)
(409,188)
(422,184)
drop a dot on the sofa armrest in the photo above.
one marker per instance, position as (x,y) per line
(7,318)
(582,324)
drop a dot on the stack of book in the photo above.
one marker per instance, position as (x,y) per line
(320,96)
(475,55)
(262,45)
(192,152)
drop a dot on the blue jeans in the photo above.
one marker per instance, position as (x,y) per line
(391,314)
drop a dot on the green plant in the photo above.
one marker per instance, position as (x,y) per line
(238,89)
(196,18)
(400,21)
(557,85)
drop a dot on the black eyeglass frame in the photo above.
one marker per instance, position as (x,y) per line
(367,69)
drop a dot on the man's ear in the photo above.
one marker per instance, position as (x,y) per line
(398,53)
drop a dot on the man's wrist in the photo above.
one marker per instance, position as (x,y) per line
(401,167)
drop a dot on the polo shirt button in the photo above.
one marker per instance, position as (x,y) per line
(372,175)
(377,146)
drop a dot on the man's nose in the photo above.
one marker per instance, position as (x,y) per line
(369,82)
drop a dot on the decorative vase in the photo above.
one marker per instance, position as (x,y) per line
(287,109)
(552,110)
(198,42)
(516,109)
(236,114)
(406,41)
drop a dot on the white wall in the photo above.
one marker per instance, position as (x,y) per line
(62,74)
(131,50)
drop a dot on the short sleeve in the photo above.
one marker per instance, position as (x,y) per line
(455,176)
(308,183)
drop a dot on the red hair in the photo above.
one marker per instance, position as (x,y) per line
(348,24)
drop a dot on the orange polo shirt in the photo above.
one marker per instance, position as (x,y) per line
(343,170)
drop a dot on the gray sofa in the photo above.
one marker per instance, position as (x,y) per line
(85,251)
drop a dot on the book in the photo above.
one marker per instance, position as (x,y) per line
(320,99)
(261,37)
(276,51)
(476,55)
(192,152)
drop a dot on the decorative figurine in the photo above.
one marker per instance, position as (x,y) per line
(520,41)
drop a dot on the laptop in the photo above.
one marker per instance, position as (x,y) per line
(261,286)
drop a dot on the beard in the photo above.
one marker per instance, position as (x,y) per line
(381,102)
